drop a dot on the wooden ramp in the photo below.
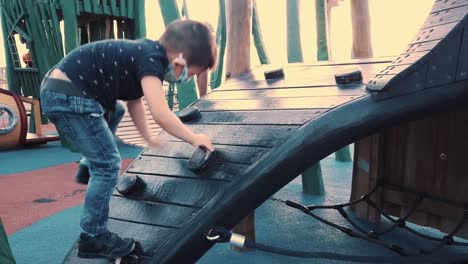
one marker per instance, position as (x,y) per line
(267,132)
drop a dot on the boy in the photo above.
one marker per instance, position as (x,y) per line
(80,97)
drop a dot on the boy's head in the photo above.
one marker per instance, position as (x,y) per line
(194,40)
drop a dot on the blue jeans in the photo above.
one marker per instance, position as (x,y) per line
(82,121)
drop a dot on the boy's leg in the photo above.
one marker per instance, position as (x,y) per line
(81,120)
(82,174)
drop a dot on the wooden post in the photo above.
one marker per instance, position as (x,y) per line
(323,53)
(70,24)
(216,75)
(360,20)
(366,169)
(312,182)
(294,31)
(257,36)
(140,19)
(239,17)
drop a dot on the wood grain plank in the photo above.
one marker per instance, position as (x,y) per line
(224,153)
(274,103)
(151,213)
(286,92)
(299,76)
(244,135)
(188,192)
(260,117)
(179,168)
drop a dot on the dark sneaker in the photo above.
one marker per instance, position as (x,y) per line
(108,245)
(82,175)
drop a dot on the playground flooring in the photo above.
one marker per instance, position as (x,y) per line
(40,206)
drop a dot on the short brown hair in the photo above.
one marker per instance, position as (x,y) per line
(194,39)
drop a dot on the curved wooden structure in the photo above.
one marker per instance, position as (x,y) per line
(268,131)
(16,137)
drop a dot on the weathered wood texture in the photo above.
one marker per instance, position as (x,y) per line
(426,156)
(245,123)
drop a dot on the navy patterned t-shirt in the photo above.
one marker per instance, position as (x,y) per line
(111,70)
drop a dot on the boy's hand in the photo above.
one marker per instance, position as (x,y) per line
(203,140)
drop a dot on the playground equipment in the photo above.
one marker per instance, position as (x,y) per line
(13,122)
(36,25)
(286,125)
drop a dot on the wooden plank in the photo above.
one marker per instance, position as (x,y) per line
(274,103)
(448,16)
(433,33)
(189,192)
(244,135)
(424,46)
(224,153)
(444,5)
(261,117)
(299,76)
(179,168)
(151,213)
(285,92)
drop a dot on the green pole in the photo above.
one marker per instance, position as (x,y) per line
(70,25)
(294,29)
(343,154)
(257,36)
(6,256)
(312,182)
(217,74)
(187,92)
(140,19)
(321,24)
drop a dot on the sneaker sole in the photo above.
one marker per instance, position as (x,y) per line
(105,256)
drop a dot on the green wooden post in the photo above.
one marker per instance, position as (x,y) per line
(321,25)
(187,92)
(6,256)
(257,36)
(70,25)
(140,19)
(343,154)
(312,182)
(293,29)
(217,74)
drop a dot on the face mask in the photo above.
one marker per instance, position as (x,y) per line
(170,75)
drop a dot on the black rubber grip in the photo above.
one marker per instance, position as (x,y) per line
(190,113)
(274,74)
(200,159)
(350,77)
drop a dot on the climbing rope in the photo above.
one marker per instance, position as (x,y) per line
(222,235)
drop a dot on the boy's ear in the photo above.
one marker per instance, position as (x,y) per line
(178,68)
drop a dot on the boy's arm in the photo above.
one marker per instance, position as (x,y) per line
(137,112)
(156,100)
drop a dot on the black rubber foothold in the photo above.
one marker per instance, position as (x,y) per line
(189,114)
(129,184)
(200,159)
(274,74)
(351,76)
